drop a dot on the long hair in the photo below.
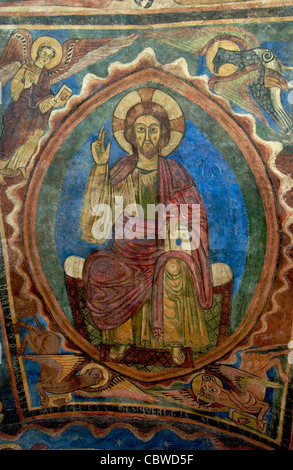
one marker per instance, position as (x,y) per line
(147,108)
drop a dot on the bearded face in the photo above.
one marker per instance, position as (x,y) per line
(147,133)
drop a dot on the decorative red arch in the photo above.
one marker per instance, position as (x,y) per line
(255,153)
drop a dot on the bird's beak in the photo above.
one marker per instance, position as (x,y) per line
(216,69)
(273,79)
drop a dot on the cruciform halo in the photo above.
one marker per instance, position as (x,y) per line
(51,42)
(151,95)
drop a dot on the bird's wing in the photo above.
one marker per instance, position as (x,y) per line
(16,52)
(273,78)
(64,364)
(121,387)
(272,82)
(236,88)
(238,379)
(79,53)
(198,41)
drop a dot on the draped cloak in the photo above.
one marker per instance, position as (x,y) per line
(23,117)
(118,280)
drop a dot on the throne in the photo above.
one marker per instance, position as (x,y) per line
(217,318)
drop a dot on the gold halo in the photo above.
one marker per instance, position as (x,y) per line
(197,381)
(172,108)
(196,384)
(226,69)
(51,42)
(93,365)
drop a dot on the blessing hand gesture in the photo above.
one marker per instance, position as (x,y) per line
(99,153)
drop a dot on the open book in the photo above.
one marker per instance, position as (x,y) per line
(63,94)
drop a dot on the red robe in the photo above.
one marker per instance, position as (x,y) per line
(23,117)
(118,281)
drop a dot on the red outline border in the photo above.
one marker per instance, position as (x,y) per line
(251,153)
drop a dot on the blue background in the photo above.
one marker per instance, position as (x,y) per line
(211,173)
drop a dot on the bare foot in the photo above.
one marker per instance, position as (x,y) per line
(178,355)
(117,352)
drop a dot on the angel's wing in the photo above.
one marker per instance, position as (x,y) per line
(63,364)
(198,41)
(236,88)
(79,53)
(239,379)
(16,52)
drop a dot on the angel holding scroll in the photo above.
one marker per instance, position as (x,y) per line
(33,67)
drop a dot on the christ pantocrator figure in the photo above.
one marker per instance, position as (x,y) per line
(145,292)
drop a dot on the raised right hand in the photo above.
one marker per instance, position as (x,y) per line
(99,153)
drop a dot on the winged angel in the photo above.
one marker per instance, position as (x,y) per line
(33,67)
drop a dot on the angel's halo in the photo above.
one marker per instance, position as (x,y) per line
(50,42)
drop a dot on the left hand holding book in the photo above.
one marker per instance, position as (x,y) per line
(62,97)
